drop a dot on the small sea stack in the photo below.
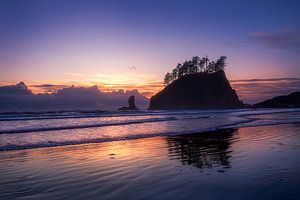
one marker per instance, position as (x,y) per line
(131,104)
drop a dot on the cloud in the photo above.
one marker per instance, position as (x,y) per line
(75,74)
(147,89)
(20,98)
(256,90)
(46,88)
(18,89)
(285,39)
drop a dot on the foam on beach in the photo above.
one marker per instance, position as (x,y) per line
(31,130)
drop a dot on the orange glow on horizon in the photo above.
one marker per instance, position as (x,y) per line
(146,85)
(146,90)
(249,90)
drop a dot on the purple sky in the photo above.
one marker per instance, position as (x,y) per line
(132,44)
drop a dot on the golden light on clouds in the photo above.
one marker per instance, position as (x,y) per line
(147,85)
(249,90)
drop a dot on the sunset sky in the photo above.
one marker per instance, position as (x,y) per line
(132,44)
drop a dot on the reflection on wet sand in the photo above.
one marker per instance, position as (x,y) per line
(263,163)
(205,150)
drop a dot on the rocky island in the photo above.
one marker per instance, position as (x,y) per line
(196,84)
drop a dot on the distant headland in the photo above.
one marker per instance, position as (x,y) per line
(289,101)
(196,83)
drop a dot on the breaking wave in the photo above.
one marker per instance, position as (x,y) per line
(44,129)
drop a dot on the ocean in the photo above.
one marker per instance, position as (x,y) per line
(186,154)
(44,129)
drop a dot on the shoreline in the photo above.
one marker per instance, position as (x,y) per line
(95,141)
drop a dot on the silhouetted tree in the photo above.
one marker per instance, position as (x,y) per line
(185,67)
(174,73)
(167,78)
(221,63)
(201,65)
(206,60)
(195,65)
(178,67)
(211,67)
(179,71)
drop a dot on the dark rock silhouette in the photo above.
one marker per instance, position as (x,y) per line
(289,101)
(131,104)
(198,90)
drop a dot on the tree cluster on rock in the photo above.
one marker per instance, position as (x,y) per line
(195,65)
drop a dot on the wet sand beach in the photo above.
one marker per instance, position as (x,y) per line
(260,162)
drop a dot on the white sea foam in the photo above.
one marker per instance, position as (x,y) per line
(30,130)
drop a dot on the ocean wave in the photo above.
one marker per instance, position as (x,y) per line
(85,125)
(162,123)
(53,115)
(51,143)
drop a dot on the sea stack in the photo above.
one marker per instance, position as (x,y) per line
(131,104)
(197,91)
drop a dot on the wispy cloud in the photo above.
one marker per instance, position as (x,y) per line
(284,39)
(73,74)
